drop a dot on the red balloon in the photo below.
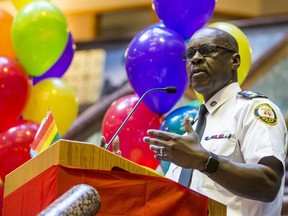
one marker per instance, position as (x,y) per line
(14,145)
(131,136)
(15,87)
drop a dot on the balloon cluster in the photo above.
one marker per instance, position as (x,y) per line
(154,59)
(36,49)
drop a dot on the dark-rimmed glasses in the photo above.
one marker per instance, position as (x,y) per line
(206,51)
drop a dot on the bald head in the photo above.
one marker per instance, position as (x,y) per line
(212,60)
(215,36)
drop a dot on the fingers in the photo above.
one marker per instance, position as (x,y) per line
(187,125)
(161,134)
(157,149)
(116,146)
(102,142)
(160,152)
(154,141)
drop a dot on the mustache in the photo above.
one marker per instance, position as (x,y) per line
(198,69)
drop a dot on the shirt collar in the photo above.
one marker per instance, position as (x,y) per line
(222,96)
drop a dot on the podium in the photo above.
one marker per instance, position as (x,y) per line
(125,188)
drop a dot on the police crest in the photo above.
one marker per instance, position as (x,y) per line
(265,113)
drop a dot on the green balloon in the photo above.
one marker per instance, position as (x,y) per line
(39,36)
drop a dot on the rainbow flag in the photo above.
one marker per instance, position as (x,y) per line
(46,135)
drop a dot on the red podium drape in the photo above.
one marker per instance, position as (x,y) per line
(121,193)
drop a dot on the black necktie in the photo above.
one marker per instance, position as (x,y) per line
(186,173)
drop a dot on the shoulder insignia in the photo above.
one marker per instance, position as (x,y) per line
(265,113)
(251,94)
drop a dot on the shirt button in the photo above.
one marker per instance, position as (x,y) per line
(213,103)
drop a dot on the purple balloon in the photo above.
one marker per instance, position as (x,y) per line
(154,59)
(184,16)
(62,64)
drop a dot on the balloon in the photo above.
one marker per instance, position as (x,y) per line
(21,3)
(199,96)
(14,145)
(15,88)
(153,60)
(194,103)
(130,137)
(185,17)
(39,36)
(244,47)
(62,64)
(173,122)
(164,166)
(6,48)
(55,95)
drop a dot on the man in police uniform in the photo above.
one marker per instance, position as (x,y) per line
(240,159)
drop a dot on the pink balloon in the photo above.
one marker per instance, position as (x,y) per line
(131,136)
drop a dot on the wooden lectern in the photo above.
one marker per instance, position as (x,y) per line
(125,188)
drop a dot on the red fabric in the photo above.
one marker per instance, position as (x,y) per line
(121,193)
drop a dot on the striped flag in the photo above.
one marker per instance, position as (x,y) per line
(46,135)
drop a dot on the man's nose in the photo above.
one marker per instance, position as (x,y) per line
(197,58)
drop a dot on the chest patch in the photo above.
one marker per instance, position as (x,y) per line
(265,113)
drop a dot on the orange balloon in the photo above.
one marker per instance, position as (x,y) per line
(6,47)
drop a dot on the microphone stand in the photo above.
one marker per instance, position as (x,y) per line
(167,89)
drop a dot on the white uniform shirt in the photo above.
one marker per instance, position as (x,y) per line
(233,131)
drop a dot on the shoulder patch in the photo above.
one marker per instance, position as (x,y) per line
(265,113)
(251,94)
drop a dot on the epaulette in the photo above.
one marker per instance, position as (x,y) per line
(251,94)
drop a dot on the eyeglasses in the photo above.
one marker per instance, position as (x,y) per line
(206,51)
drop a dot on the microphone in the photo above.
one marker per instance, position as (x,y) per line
(169,90)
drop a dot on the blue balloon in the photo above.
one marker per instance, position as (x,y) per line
(173,122)
(154,59)
(165,166)
(194,103)
(184,16)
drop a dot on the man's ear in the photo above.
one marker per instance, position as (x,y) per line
(235,61)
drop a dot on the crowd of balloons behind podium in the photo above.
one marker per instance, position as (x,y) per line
(36,49)
(154,58)
(39,48)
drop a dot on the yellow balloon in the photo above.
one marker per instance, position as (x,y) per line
(199,96)
(21,3)
(244,47)
(55,95)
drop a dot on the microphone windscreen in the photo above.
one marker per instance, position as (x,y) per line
(171,89)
